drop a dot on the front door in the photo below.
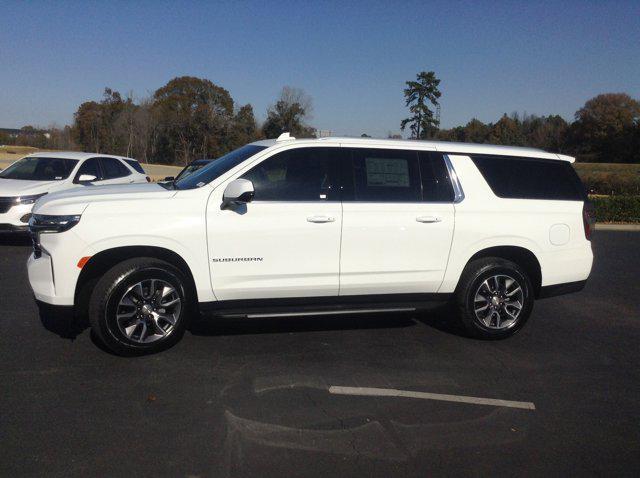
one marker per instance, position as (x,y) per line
(286,242)
(398,219)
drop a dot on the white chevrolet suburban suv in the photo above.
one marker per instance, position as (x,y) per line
(292,227)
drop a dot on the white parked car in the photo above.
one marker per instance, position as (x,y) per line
(30,178)
(318,226)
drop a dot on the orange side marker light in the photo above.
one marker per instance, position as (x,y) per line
(82,262)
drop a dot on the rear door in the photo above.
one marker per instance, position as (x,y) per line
(398,220)
(114,172)
(286,242)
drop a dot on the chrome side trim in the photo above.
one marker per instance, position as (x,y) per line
(455,182)
(331,312)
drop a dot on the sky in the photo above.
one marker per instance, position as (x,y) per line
(352,58)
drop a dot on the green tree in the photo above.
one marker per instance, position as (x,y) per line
(418,94)
(506,131)
(475,131)
(244,128)
(289,114)
(605,127)
(193,116)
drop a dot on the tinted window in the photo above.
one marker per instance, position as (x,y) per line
(40,169)
(436,183)
(303,174)
(90,166)
(382,175)
(135,165)
(218,167)
(192,168)
(527,178)
(112,168)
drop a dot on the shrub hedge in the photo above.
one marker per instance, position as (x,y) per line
(617,208)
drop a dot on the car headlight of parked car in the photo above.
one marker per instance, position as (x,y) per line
(46,223)
(29,199)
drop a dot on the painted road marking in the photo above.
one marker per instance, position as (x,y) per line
(390,392)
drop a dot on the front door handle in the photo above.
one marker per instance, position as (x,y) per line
(319,219)
(428,219)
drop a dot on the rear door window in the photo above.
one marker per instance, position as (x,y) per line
(436,183)
(135,165)
(112,168)
(530,178)
(381,175)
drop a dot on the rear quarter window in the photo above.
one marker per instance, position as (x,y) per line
(135,165)
(530,178)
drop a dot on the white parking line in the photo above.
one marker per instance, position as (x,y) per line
(390,392)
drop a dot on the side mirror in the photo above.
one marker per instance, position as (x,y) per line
(169,178)
(86,178)
(238,191)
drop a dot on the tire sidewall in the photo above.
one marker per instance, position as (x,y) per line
(498,269)
(114,295)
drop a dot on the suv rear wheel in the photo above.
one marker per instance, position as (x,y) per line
(494,298)
(139,306)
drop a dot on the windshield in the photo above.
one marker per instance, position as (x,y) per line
(192,168)
(218,167)
(40,169)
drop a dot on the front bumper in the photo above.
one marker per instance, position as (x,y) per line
(41,279)
(13,228)
(10,220)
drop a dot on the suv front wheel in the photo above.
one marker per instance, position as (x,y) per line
(139,306)
(494,298)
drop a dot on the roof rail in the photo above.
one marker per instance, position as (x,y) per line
(285,137)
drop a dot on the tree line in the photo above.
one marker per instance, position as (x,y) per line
(606,129)
(186,119)
(191,118)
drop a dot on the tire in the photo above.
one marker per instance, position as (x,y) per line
(139,285)
(478,288)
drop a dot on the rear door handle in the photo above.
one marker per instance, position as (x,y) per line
(428,219)
(319,219)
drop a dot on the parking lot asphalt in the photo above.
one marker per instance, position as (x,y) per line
(263,398)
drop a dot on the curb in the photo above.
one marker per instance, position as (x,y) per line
(617,227)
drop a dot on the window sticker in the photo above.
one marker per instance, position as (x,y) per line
(387,172)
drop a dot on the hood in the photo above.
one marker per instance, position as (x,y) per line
(75,201)
(20,187)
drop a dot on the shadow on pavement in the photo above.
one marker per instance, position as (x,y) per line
(209,326)
(15,239)
(62,321)
(443,319)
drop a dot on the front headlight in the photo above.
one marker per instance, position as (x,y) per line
(46,223)
(29,199)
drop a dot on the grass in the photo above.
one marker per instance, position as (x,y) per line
(610,178)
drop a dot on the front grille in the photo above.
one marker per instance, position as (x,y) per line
(6,203)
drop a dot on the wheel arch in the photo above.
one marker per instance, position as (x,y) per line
(106,259)
(521,256)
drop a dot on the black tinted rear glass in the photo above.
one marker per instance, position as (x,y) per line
(530,178)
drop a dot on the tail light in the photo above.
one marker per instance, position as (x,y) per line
(588,219)
(148,179)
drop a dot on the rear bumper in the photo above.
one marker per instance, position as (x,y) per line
(561,289)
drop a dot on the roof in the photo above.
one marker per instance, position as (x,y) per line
(73,155)
(444,146)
